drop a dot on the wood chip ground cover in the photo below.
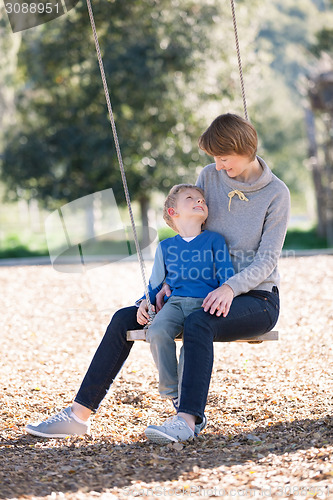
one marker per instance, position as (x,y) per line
(270,420)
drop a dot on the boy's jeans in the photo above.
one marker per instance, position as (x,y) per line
(250,314)
(167,324)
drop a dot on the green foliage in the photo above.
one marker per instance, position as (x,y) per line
(14,246)
(299,239)
(324,42)
(171,68)
(62,147)
(165,232)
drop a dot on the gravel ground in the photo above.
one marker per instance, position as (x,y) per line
(270,431)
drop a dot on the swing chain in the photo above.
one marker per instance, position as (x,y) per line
(232,3)
(120,160)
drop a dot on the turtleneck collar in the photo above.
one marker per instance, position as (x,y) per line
(263,180)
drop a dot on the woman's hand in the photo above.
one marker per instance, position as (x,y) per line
(165,290)
(142,315)
(219,301)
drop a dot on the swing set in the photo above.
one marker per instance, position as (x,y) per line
(133,335)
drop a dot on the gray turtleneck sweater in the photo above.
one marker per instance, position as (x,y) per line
(254,228)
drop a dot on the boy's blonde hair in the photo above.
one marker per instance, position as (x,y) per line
(171,201)
(230,134)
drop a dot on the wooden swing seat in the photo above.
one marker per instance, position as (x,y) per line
(273,335)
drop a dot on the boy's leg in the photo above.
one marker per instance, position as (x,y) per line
(167,324)
(189,305)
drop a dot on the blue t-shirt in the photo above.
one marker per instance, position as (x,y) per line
(191,268)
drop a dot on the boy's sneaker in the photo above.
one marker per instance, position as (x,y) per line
(200,427)
(173,430)
(61,425)
(175,402)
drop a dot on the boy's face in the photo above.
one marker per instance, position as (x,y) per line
(191,203)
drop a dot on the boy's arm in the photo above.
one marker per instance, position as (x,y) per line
(157,276)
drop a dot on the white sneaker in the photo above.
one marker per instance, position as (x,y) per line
(61,425)
(173,430)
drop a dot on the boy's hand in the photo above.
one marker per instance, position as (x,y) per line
(165,290)
(219,301)
(142,315)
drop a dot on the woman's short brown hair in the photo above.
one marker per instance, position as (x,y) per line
(171,201)
(230,134)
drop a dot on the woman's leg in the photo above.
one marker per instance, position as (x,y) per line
(108,359)
(250,315)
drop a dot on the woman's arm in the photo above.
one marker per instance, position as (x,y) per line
(269,248)
(219,301)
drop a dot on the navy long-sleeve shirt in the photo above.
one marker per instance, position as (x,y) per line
(191,268)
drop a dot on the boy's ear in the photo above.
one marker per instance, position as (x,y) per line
(171,211)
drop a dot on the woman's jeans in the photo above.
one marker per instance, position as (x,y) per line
(109,358)
(250,314)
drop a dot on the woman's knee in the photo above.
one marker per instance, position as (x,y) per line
(123,319)
(197,326)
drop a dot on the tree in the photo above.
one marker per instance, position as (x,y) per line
(9,45)
(320,129)
(154,52)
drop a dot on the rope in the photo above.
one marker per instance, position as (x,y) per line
(120,160)
(239,59)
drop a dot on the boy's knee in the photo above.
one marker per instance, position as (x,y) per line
(156,335)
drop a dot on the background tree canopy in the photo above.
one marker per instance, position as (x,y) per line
(171,68)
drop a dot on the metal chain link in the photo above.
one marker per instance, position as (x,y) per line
(120,160)
(239,59)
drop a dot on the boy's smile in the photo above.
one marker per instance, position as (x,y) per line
(191,201)
(189,213)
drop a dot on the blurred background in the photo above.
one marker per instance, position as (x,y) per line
(171,67)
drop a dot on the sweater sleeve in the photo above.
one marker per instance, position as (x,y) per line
(157,276)
(270,246)
(223,264)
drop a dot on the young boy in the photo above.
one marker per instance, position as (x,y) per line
(193,263)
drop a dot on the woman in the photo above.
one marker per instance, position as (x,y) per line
(250,207)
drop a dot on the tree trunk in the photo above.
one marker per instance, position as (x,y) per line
(329,179)
(317,173)
(144,207)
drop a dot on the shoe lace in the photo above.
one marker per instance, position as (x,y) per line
(59,417)
(175,422)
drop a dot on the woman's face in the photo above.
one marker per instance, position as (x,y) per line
(237,167)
